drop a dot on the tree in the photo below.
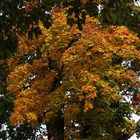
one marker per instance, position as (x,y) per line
(23,16)
(75,77)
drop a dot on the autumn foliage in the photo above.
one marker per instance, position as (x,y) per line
(77,73)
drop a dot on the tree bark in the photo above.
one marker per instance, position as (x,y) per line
(56,128)
(85,129)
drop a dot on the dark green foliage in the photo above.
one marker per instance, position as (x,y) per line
(121,12)
(19,15)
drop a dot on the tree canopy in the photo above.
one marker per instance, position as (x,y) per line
(26,43)
(73,79)
(22,15)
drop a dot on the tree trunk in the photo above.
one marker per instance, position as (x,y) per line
(56,128)
(85,129)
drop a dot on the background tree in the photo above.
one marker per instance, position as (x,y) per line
(75,77)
